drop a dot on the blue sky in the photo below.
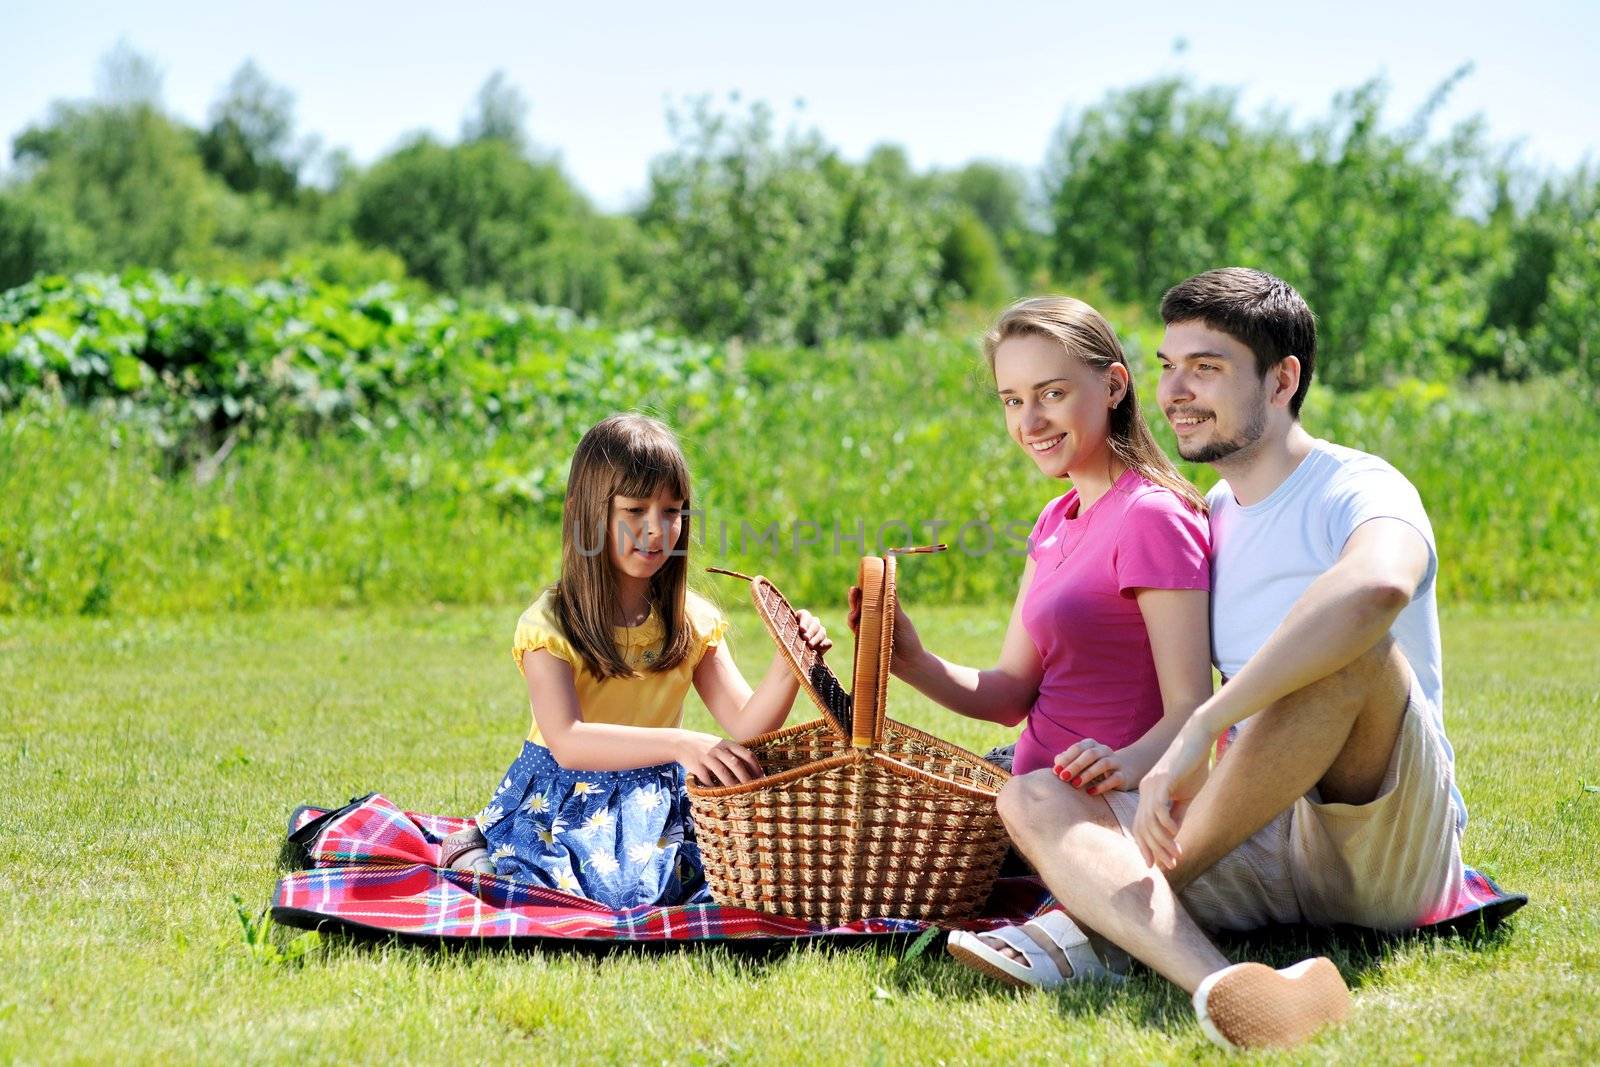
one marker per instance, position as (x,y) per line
(950,82)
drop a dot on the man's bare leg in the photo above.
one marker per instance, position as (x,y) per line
(1336,734)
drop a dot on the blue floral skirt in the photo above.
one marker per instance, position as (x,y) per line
(621,838)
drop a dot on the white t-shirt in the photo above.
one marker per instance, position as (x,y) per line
(1265,556)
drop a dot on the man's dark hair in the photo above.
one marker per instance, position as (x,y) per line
(1257,309)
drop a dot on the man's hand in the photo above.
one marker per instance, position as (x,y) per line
(1165,793)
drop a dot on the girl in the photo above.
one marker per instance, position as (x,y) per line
(595,804)
(1108,648)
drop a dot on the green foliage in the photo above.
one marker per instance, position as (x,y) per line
(1371,223)
(777,239)
(970,261)
(128,176)
(1424,254)
(482,216)
(198,361)
(300,444)
(250,142)
(264,949)
(36,235)
(499,113)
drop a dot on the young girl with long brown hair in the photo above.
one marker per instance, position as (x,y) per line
(595,803)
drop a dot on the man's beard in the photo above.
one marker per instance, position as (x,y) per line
(1219,450)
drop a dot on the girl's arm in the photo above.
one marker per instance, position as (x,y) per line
(747,713)
(1004,693)
(596,746)
(1179,624)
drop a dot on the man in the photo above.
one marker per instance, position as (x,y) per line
(1334,800)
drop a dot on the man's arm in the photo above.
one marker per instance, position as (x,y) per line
(1342,614)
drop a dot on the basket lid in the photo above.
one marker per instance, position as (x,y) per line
(856,713)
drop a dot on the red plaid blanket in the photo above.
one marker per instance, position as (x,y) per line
(371,867)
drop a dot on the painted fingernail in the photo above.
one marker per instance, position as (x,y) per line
(1076,782)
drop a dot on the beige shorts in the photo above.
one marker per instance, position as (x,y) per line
(1391,864)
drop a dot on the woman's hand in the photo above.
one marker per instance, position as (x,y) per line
(1092,767)
(716,760)
(907,645)
(812,632)
(1165,793)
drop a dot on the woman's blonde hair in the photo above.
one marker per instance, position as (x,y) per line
(622,455)
(1083,332)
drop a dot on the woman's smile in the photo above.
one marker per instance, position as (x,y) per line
(1046,445)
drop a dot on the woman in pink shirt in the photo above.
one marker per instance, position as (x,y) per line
(1108,650)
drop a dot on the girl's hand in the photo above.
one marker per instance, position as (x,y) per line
(812,632)
(716,760)
(1165,793)
(1092,767)
(907,645)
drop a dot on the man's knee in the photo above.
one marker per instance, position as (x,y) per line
(1038,802)
(1374,676)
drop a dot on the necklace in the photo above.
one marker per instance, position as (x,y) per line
(1086,518)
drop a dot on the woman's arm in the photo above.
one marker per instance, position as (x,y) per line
(1003,693)
(739,710)
(595,746)
(1178,622)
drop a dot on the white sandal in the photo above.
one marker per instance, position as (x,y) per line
(1057,951)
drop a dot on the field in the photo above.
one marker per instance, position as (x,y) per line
(151,762)
(265,545)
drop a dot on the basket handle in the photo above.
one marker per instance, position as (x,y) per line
(731,574)
(874,650)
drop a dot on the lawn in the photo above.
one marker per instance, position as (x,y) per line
(150,765)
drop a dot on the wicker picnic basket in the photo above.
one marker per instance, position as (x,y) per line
(858,815)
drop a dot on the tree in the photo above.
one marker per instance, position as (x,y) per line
(35,236)
(481,216)
(128,78)
(126,175)
(498,113)
(250,142)
(777,239)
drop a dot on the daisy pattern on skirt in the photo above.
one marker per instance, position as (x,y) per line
(583,789)
(641,852)
(503,786)
(647,800)
(600,820)
(604,862)
(536,805)
(503,852)
(556,828)
(567,882)
(490,815)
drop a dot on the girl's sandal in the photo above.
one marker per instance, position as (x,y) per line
(466,850)
(1055,948)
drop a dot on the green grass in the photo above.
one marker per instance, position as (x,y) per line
(93,521)
(149,766)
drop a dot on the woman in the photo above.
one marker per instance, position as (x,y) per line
(1108,648)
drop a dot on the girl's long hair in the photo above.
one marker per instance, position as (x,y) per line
(1085,333)
(627,455)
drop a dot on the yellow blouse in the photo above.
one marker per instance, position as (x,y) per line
(649,698)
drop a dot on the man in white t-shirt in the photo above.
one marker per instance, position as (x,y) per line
(1334,800)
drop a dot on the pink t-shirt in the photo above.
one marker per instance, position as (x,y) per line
(1099,677)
